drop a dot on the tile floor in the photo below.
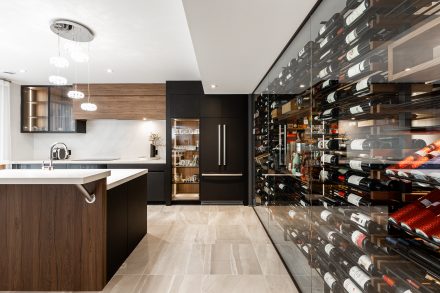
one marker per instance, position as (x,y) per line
(203,249)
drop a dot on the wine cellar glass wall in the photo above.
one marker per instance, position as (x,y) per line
(347,148)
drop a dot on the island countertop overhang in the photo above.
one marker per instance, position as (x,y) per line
(115,177)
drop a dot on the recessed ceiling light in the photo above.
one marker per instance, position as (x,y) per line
(22,70)
(109,70)
(213,86)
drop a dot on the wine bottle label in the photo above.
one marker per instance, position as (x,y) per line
(365,262)
(327,159)
(363,84)
(281,186)
(325,84)
(322,29)
(357,238)
(327,112)
(356,69)
(351,287)
(357,144)
(323,73)
(300,53)
(331,98)
(289,76)
(356,165)
(351,37)
(426,202)
(302,203)
(356,109)
(292,213)
(323,42)
(323,175)
(330,234)
(360,219)
(306,249)
(329,279)
(325,54)
(354,199)
(356,13)
(293,233)
(325,215)
(321,144)
(280,75)
(353,53)
(354,179)
(359,276)
(328,248)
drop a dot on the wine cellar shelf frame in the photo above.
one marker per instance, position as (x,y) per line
(347,148)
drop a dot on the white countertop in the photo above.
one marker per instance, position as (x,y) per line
(115,177)
(97,161)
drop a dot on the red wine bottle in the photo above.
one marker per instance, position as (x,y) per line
(355,34)
(359,239)
(334,97)
(414,208)
(333,237)
(363,221)
(360,164)
(361,259)
(332,144)
(429,228)
(353,198)
(357,13)
(363,182)
(328,84)
(423,216)
(328,70)
(357,274)
(358,50)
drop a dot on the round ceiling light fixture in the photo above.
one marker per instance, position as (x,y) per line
(57,80)
(72,30)
(90,107)
(77,95)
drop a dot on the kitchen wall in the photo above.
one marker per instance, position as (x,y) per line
(125,139)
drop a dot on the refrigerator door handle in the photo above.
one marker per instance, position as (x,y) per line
(219,145)
(279,146)
(285,145)
(224,144)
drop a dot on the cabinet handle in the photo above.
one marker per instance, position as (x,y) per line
(285,145)
(224,144)
(222,174)
(219,145)
(279,145)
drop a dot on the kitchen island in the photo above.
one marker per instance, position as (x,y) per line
(68,230)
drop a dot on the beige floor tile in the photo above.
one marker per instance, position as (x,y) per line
(234,284)
(140,258)
(232,233)
(226,218)
(280,284)
(257,234)
(269,260)
(172,260)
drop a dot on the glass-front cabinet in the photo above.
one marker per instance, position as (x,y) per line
(47,109)
(185,139)
(347,148)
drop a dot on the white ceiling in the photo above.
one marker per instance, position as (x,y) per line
(236,41)
(141,40)
(232,42)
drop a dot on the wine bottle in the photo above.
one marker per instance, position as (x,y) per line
(397,286)
(332,175)
(413,208)
(359,239)
(285,188)
(361,67)
(328,84)
(357,13)
(328,70)
(326,55)
(333,237)
(328,217)
(353,198)
(361,259)
(364,144)
(330,159)
(329,114)
(357,274)
(362,87)
(363,183)
(331,144)
(419,155)
(425,215)
(362,221)
(358,50)
(306,50)
(360,164)
(350,286)
(355,34)
(430,229)
(333,22)
(334,97)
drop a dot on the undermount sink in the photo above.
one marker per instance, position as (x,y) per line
(96,159)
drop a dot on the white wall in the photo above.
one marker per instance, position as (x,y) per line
(123,139)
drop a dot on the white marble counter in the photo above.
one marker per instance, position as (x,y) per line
(115,177)
(93,161)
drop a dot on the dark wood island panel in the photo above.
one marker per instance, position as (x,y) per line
(51,239)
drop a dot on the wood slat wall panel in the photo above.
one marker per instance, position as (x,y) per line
(126,89)
(124,102)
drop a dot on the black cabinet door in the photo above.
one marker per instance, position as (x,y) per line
(136,194)
(223,159)
(223,106)
(183,106)
(156,187)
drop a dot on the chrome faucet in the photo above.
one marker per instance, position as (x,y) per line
(50,166)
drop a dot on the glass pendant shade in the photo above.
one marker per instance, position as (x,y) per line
(89,107)
(75,95)
(59,62)
(57,80)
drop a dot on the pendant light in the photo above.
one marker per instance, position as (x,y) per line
(88,106)
(58,62)
(75,93)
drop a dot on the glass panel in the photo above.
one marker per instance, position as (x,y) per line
(354,124)
(61,110)
(185,159)
(35,109)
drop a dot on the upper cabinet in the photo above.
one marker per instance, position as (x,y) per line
(223,106)
(47,109)
(123,101)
